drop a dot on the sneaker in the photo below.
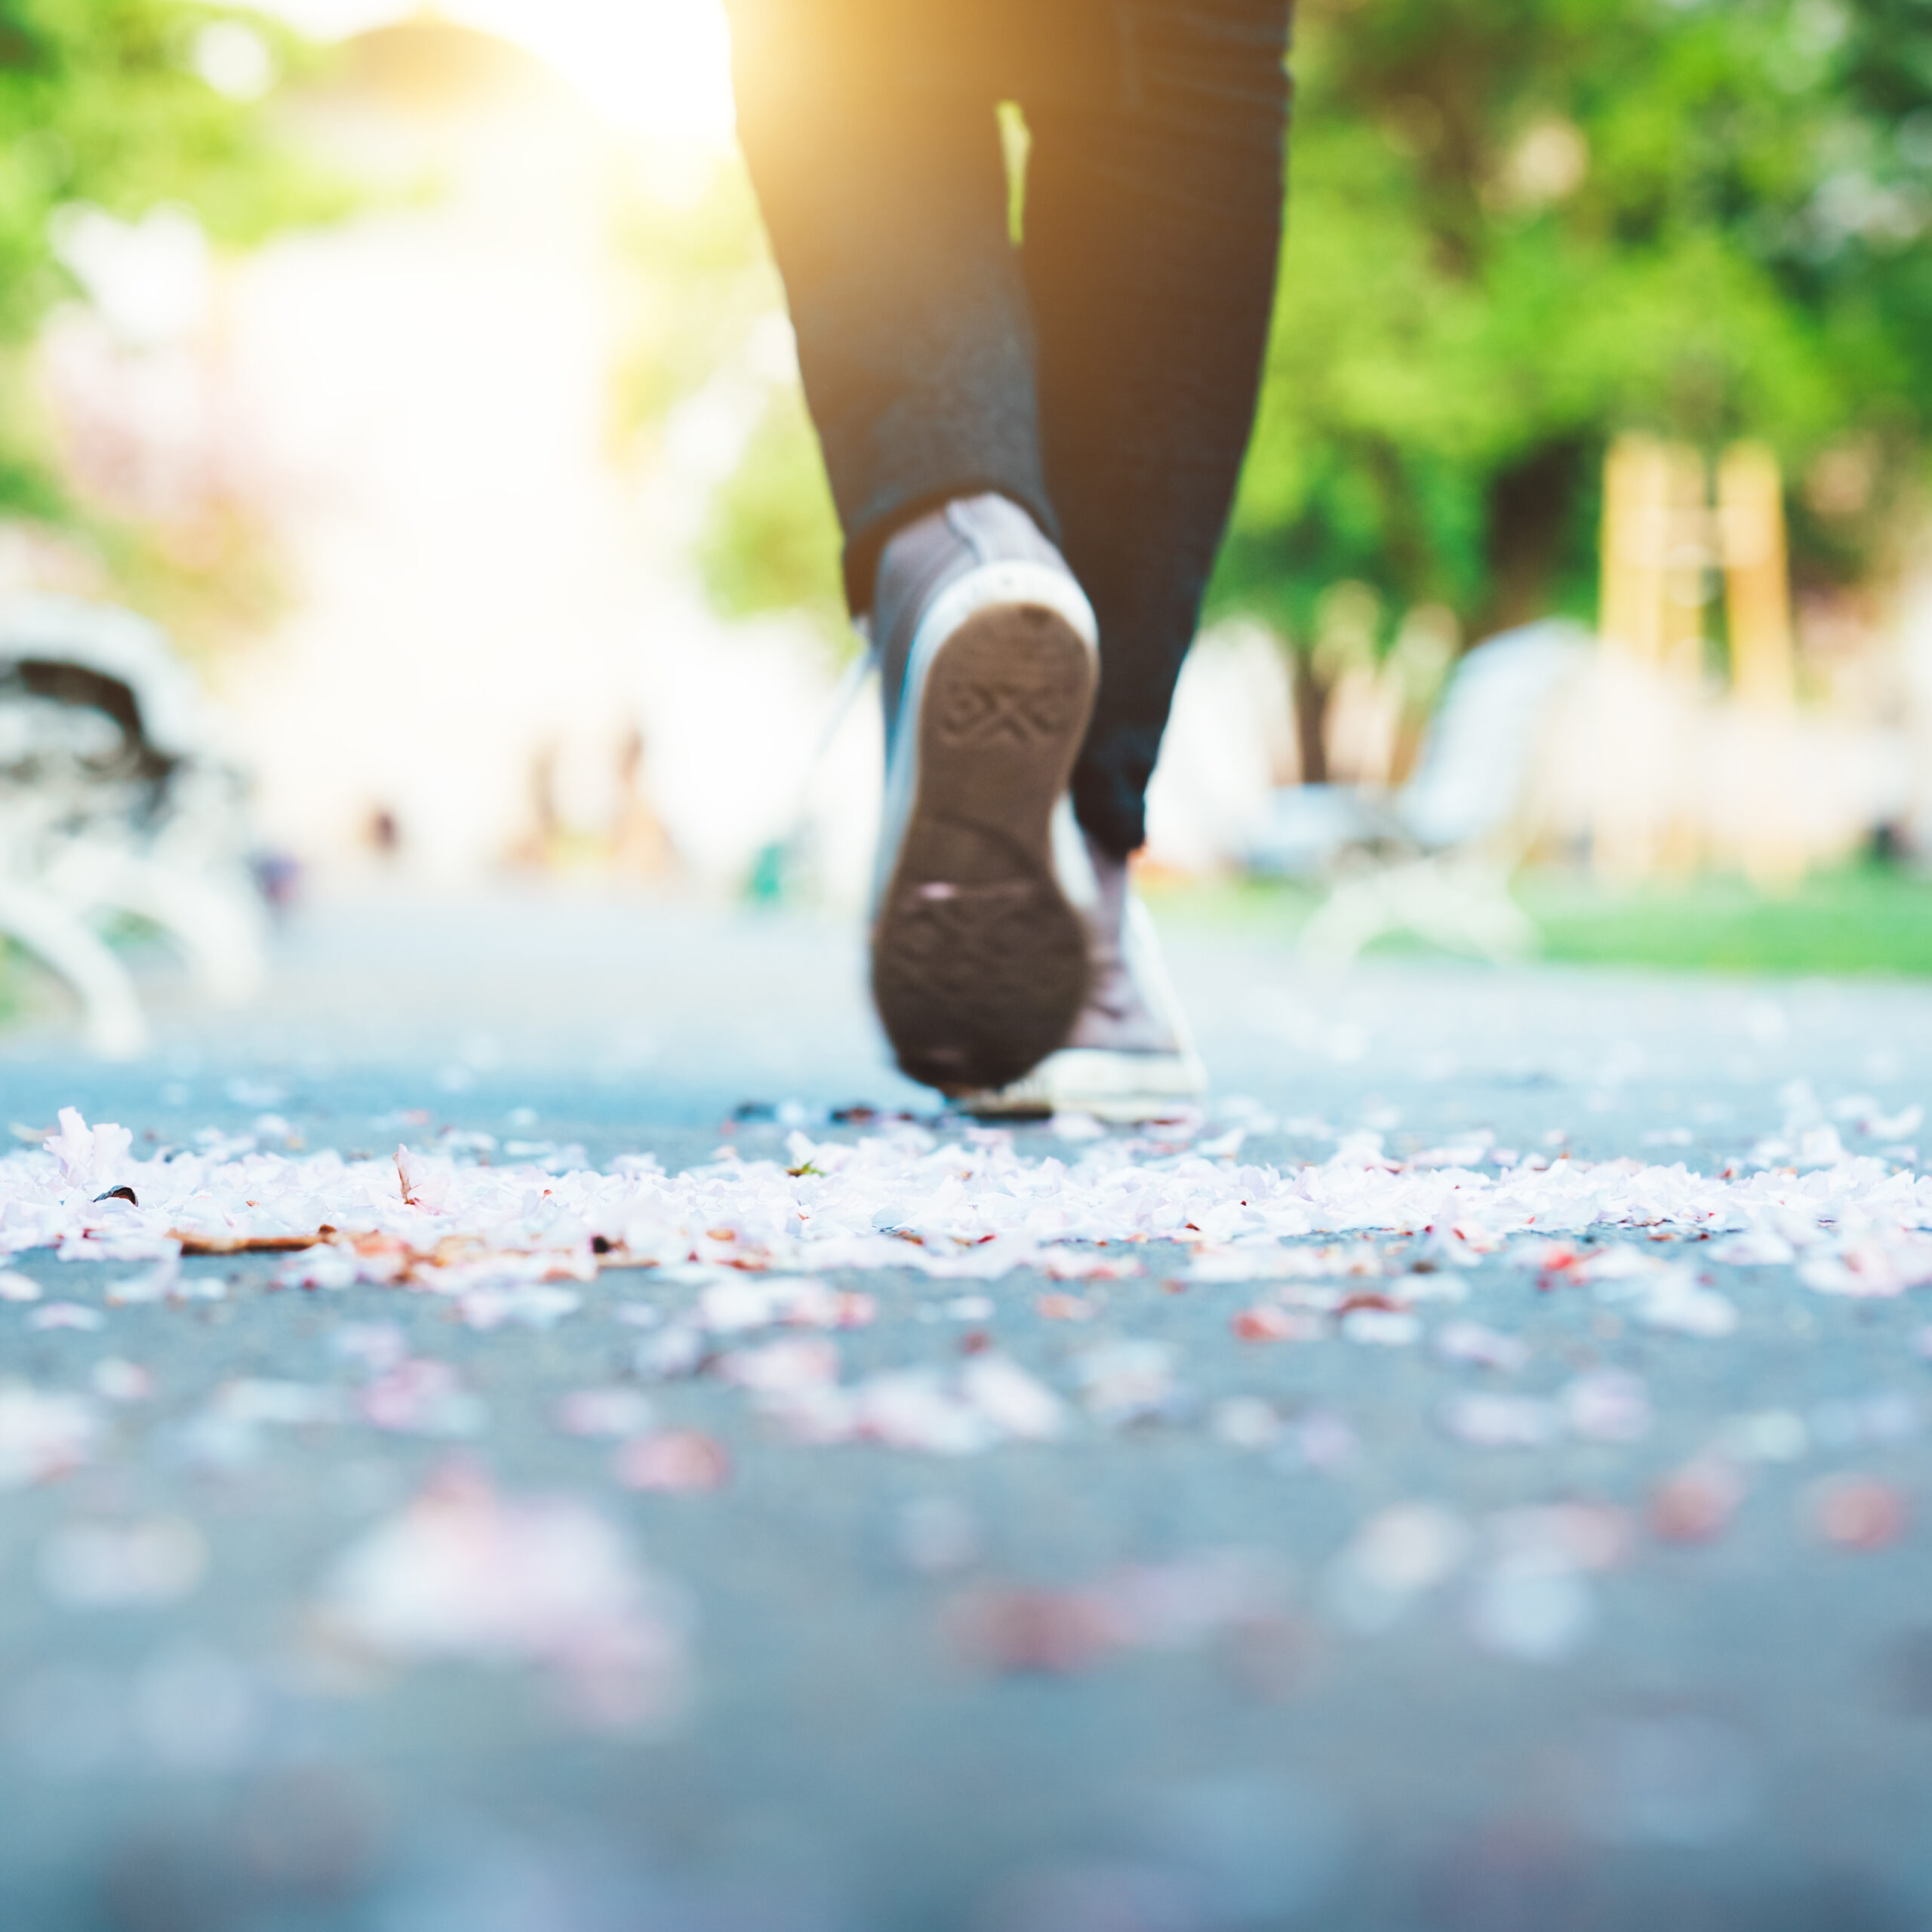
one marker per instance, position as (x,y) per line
(1130,1056)
(988,659)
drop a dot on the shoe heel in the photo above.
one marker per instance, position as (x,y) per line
(980,963)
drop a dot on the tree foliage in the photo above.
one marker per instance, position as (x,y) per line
(106,102)
(1518,227)
(705,298)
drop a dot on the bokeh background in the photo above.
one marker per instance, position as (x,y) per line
(424,376)
(424,372)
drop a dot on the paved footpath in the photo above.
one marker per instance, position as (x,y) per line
(1477,1478)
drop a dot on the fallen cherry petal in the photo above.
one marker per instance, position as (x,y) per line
(462,1572)
(1065,1308)
(1051,1633)
(1696,1503)
(797,1362)
(42,1435)
(1606,1405)
(1005,1394)
(526,1304)
(115,1381)
(1493,1421)
(1380,1327)
(669,1354)
(618,1411)
(421,1397)
(378,1345)
(676,1460)
(1856,1512)
(1246,1421)
(1385,1304)
(1487,1347)
(1266,1324)
(65,1314)
(160,1283)
(87,1155)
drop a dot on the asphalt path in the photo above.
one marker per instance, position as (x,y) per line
(1276,1649)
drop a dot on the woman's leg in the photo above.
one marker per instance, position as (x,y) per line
(1152,227)
(869,129)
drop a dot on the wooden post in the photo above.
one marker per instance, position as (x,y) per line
(1756,581)
(1758,609)
(1636,497)
(1656,555)
(1685,565)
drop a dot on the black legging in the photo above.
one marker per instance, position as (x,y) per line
(1104,374)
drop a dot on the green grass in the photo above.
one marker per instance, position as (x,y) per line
(1869,919)
(1863,919)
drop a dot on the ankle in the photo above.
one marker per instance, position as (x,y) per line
(1111,881)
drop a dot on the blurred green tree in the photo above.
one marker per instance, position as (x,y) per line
(1518,227)
(707,327)
(126,105)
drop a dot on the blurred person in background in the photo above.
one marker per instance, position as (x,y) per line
(1033,397)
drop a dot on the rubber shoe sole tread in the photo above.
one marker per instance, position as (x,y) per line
(979,961)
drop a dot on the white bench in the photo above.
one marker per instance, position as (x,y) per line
(1435,858)
(114,801)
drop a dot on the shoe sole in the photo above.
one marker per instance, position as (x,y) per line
(979,962)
